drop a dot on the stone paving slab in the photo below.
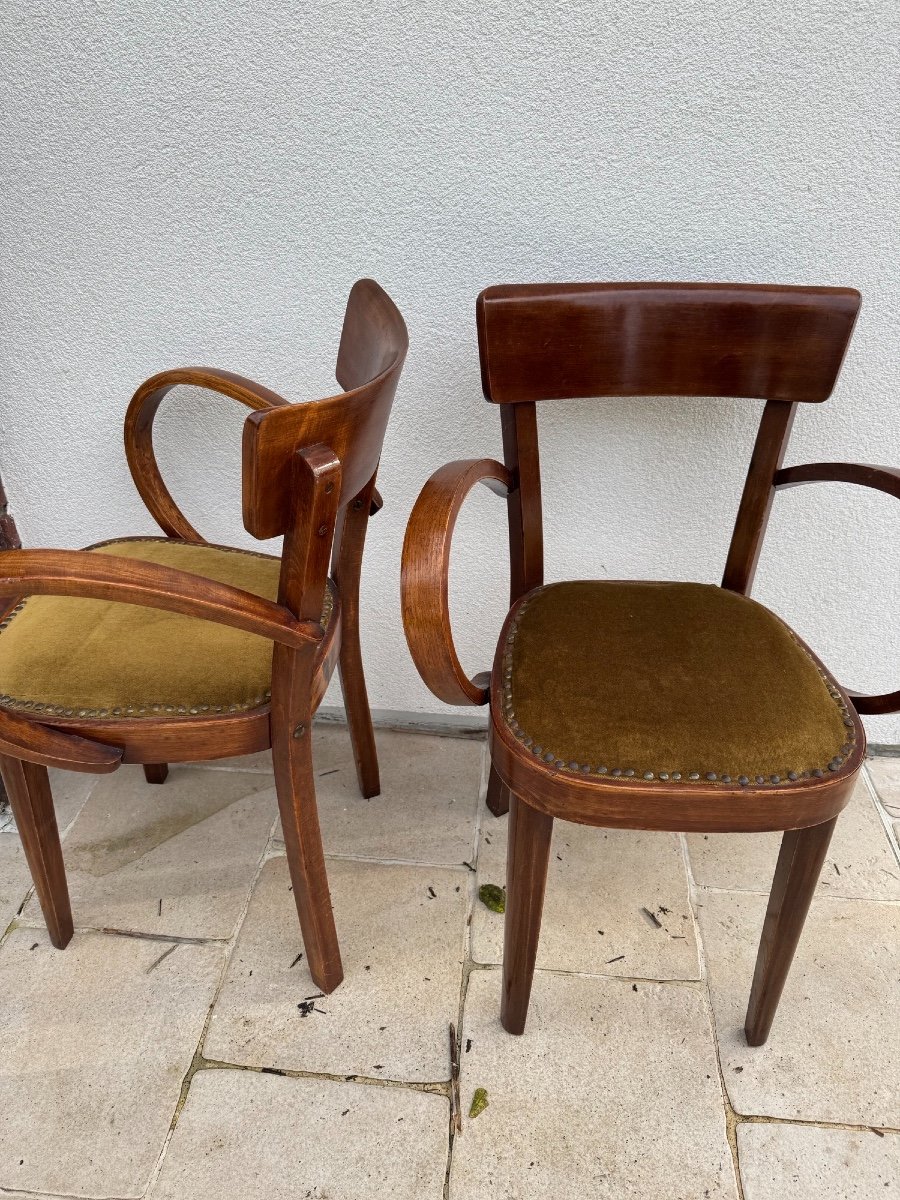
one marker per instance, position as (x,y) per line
(176,859)
(617,903)
(612,1091)
(70,790)
(426,809)
(860,865)
(402,950)
(97,1041)
(802,1162)
(833,1053)
(246,1136)
(885,776)
(15,880)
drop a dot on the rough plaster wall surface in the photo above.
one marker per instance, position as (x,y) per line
(203,182)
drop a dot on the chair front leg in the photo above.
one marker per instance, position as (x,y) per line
(295,785)
(796,875)
(156,772)
(28,787)
(528,855)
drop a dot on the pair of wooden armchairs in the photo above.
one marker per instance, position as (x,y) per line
(641,705)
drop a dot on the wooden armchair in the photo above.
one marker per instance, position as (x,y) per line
(667,706)
(240,648)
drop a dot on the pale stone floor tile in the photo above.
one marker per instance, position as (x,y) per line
(70,790)
(860,865)
(176,859)
(402,951)
(426,810)
(261,762)
(885,775)
(599,879)
(96,1043)
(612,1093)
(15,880)
(246,1136)
(833,1053)
(801,1162)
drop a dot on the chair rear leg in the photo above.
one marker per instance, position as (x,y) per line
(796,875)
(497,798)
(356,702)
(28,788)
(294,782)
(530,832)
(156,772)
(349,546)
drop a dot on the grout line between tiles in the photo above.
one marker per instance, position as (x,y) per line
(59,1195)
(846,1126)
(884,816)
(229,947)
(467,965)
(823,897)
(728,1111)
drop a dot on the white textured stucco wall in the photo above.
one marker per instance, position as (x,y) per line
(202,183)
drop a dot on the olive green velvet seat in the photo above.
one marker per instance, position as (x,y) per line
(67,656)
(668,681)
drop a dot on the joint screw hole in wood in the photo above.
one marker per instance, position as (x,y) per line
(308,475)
(567,647)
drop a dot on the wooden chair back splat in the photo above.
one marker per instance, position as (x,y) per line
(308,474)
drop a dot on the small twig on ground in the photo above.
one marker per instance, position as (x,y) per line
(165,954)
(455,1117)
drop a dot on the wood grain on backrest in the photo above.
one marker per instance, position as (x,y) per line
(373,347)
(556,341)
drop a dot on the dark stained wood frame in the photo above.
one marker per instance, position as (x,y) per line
(9,540)
(542,342)
(308,474)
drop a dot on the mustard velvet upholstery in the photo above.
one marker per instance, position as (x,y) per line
(74,657)
(670,679)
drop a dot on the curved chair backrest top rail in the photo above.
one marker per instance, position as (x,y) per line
(556,341)
(371,355)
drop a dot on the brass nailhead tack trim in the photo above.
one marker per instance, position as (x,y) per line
(549,756)
(151,709)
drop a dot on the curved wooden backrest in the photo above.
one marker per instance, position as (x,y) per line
(372,350)
(562,340)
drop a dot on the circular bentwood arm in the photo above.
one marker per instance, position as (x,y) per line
(424,582)
(881,479)
(139,435)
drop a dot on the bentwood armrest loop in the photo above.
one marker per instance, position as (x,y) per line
(139,435)
(881,479)
(100,576)
(424,583)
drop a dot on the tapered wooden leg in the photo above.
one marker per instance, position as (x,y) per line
(28,788)
(349,545)
(796,875)
(156,772)
(530,832)
(356,702)
(497,794)
(294,782)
